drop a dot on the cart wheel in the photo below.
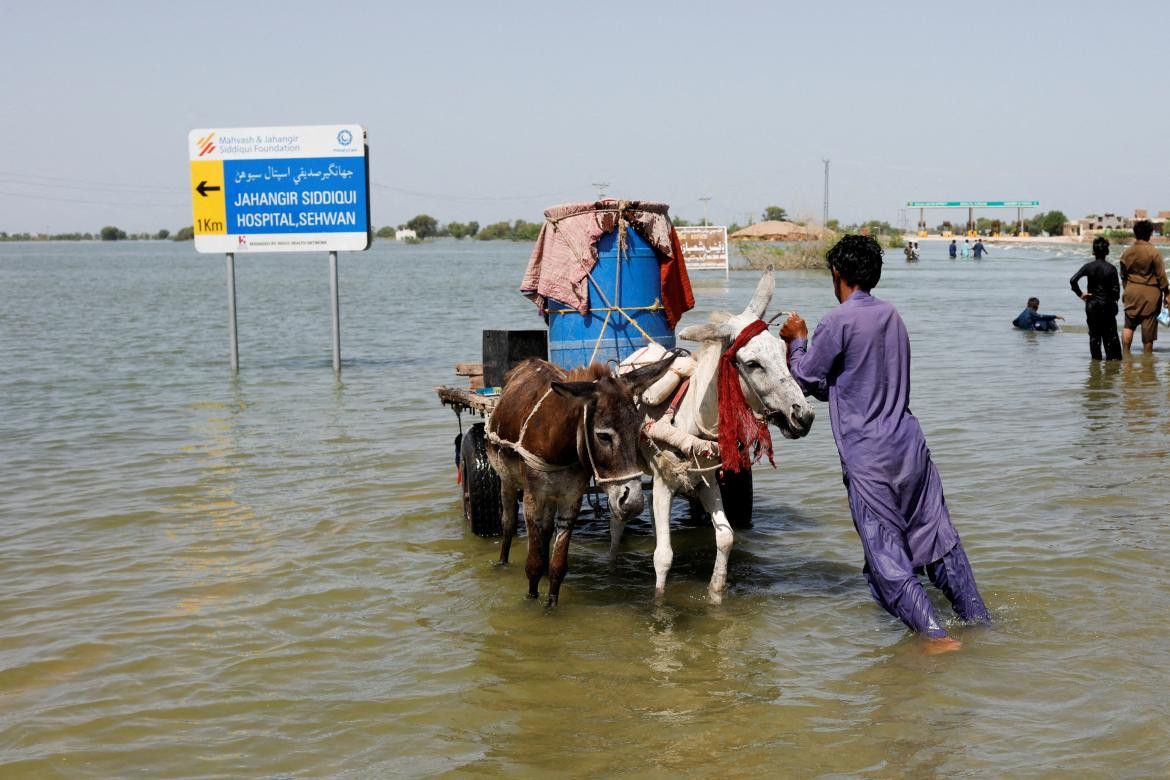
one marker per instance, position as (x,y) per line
(736,492)
(481,484)
(698,515)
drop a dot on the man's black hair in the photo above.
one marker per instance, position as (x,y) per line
(1033,302)
(858,259)
(1143,229)
(1101,246)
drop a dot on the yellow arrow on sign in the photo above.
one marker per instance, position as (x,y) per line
(210,208)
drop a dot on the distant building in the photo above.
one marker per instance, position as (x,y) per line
(403,234)
(1094,225)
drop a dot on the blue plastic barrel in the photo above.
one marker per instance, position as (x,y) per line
(573,337)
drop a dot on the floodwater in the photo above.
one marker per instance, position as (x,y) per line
(269,576)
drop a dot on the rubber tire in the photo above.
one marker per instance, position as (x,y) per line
(481,484)
(736,492)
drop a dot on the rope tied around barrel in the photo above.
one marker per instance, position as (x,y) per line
(623,251)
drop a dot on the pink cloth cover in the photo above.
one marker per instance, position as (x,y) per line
(566,252)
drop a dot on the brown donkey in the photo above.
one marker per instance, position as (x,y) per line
(549,434)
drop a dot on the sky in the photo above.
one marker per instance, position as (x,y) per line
(493,111)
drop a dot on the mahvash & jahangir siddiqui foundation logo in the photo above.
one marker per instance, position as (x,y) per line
(206,144)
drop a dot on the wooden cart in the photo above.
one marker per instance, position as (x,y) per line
(481,485)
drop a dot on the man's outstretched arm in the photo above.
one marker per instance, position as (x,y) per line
(811,365)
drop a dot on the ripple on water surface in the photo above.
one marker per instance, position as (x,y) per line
(269,576)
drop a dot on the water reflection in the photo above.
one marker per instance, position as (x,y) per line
(1099,397)
(1142,397)
(276,568)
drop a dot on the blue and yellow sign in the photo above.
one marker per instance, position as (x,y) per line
(280,189)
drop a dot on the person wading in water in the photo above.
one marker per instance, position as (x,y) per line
(1143,275)
(1100,301)
(859,361)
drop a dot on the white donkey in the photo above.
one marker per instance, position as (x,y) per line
(768,388)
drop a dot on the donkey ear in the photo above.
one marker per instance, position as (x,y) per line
(708,331)
(581,392)
(644,376)
(762,298)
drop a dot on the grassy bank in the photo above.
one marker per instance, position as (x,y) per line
(787,255)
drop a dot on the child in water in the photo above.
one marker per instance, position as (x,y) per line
(1031,319)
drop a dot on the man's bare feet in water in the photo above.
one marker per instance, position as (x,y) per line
(942,644)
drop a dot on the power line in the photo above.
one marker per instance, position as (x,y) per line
(69,183)
(155,205)
(448,196)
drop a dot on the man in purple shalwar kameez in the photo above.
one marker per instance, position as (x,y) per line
(859,361)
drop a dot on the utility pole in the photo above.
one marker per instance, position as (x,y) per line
(825,218)
(601,186)
(706,199)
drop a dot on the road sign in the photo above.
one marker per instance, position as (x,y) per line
(972,204)
(704,247)
(280,189)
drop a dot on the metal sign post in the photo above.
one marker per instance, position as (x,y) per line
(336,313)
(231,281)
(280,189)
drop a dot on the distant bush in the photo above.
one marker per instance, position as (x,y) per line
(789,255)
(494,231)
(184,234)
(520,230)
(525,231)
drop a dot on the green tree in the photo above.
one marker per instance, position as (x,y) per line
(162,235)
(472,228)
(456,229)
(525,231)
(385,232)
(680,222)
(424,226)
(111,233)
(775,213)
(184,234)
(876,228)
(1053,222)
(834,225)
(1035,223)
(733,227)
(494,231)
